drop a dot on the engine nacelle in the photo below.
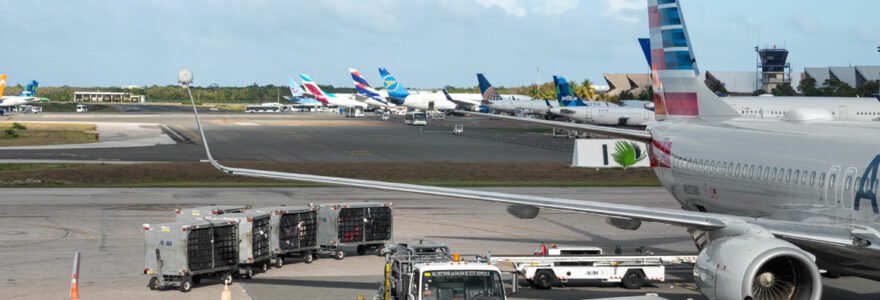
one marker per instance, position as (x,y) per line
(624,223)
(759,267)
(523,211)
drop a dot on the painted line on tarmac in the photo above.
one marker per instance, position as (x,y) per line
(195,136)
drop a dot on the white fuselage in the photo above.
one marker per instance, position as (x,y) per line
(10,101)
(428,101)
(510,106)
(841,108)
(601,113)
(344,100)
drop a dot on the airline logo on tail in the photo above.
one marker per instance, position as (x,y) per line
(2,84)
(30,90)
(392,85)
(313,88)
(489,92)
(295,91)
(363,87)
(564,94)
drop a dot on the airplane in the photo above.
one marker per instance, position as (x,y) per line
(29,94)
(768,106)
(341,100)
(466,104)
(494,101)
(398,95)
(366,93)
(300,97)
(595,112)
(767,202)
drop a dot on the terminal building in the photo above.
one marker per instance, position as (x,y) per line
(107,97)
(854,76)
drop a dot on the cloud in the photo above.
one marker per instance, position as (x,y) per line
(620,9)
(521,8)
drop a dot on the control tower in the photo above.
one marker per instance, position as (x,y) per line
(773,68)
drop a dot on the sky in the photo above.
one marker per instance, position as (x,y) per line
(425,43)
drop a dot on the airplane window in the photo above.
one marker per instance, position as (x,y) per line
(788,177)
(774,175)
(752,172)
(813,178)
(831,179)
(822,180)
(760,171)
(730,169)
(723,168)
(797,175)
(804,178)
(859,185)
(767,174)
(848,183)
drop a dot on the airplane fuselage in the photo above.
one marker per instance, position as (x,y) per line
(825,172)
(604,114)
(427,101)
(842,108)
(510,106)
(10,101)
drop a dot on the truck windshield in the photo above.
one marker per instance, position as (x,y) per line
(462,285)
(420,117)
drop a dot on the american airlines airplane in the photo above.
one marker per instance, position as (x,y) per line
(509,104)
(366,93)
(341,100)
(29,94)
(768,202)
(300,97)
(398,95)
(595,112)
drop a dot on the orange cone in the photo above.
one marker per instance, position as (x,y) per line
(226,295)
(74,289)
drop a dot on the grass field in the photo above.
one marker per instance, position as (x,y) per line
(34,134)
(193,174)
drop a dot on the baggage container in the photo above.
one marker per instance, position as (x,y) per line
(206,211)
(365,225)
(294,232)
(254,254)
(185,253)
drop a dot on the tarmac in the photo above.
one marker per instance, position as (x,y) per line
(40,229)
(303,137)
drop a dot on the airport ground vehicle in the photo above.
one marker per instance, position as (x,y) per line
(353,112)
(293,233)
(458,129)
(185,253)
(416,118)
(424,271)
(254,254)
(264,108)
(81,108)
(553,264)
(365,225)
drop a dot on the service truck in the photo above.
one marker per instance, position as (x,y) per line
(429,271)
(562,264)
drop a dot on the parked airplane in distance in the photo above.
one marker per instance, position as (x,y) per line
(398,95)
(767,202)
(494,101)
(768,106)
(595,112)
(29,94)
(341,100)
(300,97)
(366,93)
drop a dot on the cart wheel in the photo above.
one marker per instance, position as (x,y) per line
(279,261)
(633,280)
(309,258)
(248,273)
(264,267)
(186,284)
(361,250)
(339,255)
(153,284)
(543,279)
(227,278)
(197,279)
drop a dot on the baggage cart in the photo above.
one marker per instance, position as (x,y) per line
(185,253)
(254,254)
(294,232)
(365,225)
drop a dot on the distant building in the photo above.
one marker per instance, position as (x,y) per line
(634,83)
(854,76)
(746,83)
(107,97)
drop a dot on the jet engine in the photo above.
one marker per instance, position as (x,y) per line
(523,211)
(767,268)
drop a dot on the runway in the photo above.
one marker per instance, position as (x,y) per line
(40,229)
(313,137)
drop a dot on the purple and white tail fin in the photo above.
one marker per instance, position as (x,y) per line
(679,88)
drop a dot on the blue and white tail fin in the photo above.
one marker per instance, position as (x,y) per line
(30,90)
(392,86)
(565,94)
(295,90)
(487,90)
(363,87)
(679,89)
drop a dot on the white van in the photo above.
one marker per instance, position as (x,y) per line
(416,118)
(81,108)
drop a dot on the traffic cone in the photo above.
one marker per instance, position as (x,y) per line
(74,289)
(226,295)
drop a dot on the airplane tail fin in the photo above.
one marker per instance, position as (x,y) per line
(295,90)
(565,94)
(358,78)
(30,90)
(392,85)
(486,88)
(679,89)
(2,84)
(313,88)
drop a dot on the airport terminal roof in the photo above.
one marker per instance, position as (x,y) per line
(737,82)
(820,74)
(845,74)
(869,72)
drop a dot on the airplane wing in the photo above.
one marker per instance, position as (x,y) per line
(461,103)
(630,134)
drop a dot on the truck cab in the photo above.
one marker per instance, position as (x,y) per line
(456,281)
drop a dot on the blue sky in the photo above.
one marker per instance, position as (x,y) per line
(425,43)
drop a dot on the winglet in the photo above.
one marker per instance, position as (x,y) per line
(448,97)
(204,138)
